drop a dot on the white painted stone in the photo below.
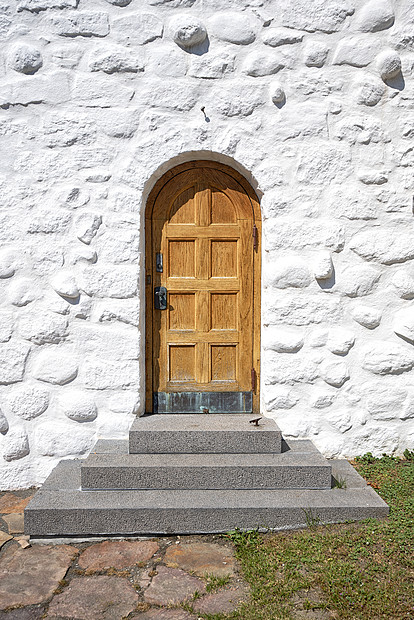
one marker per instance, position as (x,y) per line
(6,325)
(356,51)
(283,340)
(187,30)
(387,358)
(375,15)
(304,233)
(4,425)
(315,53)
(281,36)
(281,397)
(51,89)
(137,28)
(87,225)
(167,61)
(122,310)
(119,2)
(366,316)
(128,403)
(341,420)
(319,16)
(117,61)
(109,281)
(389,64)
(59,439)
(109,342)
(290,271)
(321,399)
(277,92)
(233,27)
(80,23)
(99,374)
(358,280)
(43,327)
(372,177)
(238,100)
(384,402)
(13,357)
(335,373)
(340,340)
(25,58)
(35,6)
(359,129)
(322,265)
(7,263)
(78,405)
(383,245)
(258,64)
(53,366)
(323,164)
(304,309)
(403,324)
(64,283)
(369,90)
(81,254)
(28,401)
(212,66)
(289,369)
(99,92)
(49,222)
(73,197)
(318,337)
(15,444)
(403,282)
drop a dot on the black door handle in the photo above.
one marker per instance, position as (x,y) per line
(160,298)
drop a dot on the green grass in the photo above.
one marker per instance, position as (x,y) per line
(349,571)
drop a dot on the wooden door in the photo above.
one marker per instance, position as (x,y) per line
(202,250)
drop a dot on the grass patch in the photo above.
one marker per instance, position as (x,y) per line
(348,571)
(215,582)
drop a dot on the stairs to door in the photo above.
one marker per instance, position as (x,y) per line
(187,474)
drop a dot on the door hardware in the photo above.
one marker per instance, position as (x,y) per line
(159,263)
(160,298)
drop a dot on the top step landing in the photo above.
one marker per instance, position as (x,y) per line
(203,433)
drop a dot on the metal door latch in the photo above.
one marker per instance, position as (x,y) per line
(160,298)
(255,421)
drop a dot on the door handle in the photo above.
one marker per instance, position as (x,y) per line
(160,298)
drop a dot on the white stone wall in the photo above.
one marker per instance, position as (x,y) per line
(312,100)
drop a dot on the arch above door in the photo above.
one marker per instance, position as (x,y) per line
(203,267)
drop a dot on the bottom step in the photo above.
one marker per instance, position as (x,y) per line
(61,509)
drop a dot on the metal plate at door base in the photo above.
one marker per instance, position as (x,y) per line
(203,402)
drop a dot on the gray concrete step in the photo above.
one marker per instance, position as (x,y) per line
(61,509)
(288,470)
(203,433)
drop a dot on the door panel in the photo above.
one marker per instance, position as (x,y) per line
(201,222)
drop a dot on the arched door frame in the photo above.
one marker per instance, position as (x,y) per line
(256,240)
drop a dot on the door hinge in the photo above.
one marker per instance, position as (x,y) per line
(255,238)
(253,380)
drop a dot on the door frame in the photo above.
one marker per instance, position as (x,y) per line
(257,265)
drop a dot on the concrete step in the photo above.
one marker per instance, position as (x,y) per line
(201,433)
(61,509)
(288,470)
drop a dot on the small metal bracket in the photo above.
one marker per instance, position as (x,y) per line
(255,421)
(159,263)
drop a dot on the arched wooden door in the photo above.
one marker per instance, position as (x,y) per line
(202,292)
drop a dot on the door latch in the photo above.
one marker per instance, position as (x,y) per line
(160,298)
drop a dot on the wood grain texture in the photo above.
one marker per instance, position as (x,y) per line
(201,218)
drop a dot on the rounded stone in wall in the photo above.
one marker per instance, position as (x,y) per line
(16,445)
(119,2)
(4,425)
(367,316)
(25,58)
(335,373)
(277,93)
(369,91)
(55,367)
(188,31)
(7,267)
(28,402)
(78,405)
(389,64)
(232,27)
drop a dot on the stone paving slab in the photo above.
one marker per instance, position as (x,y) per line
(15,523)
(24,613)
(202,558)
(95,598)
(116,554)
(4,537)
(11,503)
(30,576)
(224,601)
(171,586)
(164,614)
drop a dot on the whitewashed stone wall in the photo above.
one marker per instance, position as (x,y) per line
(312,100)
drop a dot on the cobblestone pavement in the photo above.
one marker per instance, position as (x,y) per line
(166,578)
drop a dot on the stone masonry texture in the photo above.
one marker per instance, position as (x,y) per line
(311,100)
